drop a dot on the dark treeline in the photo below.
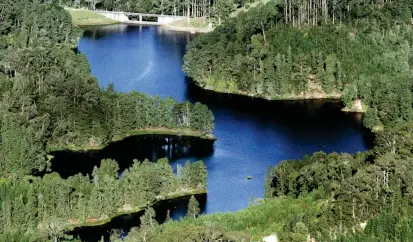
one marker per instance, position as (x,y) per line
(46,206)
(353,188)
(353,50)
(50,100)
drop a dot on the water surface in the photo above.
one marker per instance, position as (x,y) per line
(252,134)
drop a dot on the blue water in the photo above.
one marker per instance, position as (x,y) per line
(252,134)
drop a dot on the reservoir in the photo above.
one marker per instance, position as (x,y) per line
(252,134)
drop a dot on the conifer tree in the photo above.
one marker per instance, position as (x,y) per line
(269,190)
(193,207)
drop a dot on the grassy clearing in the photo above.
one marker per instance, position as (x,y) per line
(258,221)
(86,17)
(195,25)
(244,9)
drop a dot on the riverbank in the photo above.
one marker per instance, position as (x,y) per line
(127,210)
(357,107)
(81,17)
(195,25)
(180,133)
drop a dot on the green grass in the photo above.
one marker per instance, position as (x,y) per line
(244,9)
(86,17)
(195,25)
(272,216)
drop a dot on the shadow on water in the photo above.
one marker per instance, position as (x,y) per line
(177,208)
(99,32)
(151,147)
(320,114)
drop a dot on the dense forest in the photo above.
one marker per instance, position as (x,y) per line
(315,49)
(47,206)
(49,100)
(286,49)
(355,187)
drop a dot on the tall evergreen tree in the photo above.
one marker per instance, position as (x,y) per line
(193,207)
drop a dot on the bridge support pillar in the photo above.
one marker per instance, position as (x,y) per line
(140,17)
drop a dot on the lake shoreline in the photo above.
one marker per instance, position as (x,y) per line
(84,18)
(74,225)
(248,129)
(192,30)
(179,133)
(286,98)
(276,98)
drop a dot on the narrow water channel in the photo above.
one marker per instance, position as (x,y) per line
(252,134)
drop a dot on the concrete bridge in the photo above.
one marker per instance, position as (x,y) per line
(127,17)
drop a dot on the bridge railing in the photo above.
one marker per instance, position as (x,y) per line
(141,14)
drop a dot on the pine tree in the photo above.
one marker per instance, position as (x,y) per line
(193,207)
(31,209)
(252,201)
(148,219)
(329,76)
(268,192)
(148,224)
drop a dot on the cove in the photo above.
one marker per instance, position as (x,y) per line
(251,134)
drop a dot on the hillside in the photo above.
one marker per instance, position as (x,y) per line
(272,53)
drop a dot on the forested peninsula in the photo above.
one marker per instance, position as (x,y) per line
(358,52)
(49,100)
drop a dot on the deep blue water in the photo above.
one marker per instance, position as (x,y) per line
(252,134)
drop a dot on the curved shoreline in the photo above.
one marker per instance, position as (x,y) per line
(275,98)
(191,30)
(160,198)
(179,133)
(334,96)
